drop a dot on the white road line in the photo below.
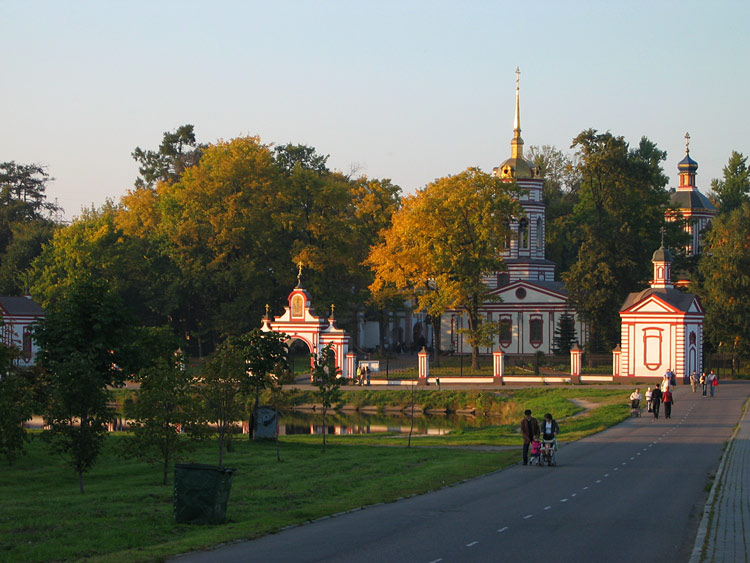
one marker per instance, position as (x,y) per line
(573,494)
(436,560)
(563,500)
(585,488)
(527,516)
(606,474)
(547,507)
(624,463)
(615,469)
(598,480)
(632,458)
(503,529)
(472,544)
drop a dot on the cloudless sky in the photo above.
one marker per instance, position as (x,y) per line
(407,90)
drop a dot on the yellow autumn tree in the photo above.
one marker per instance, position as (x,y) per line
(441,244)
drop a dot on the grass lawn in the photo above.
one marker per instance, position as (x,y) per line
(126,515)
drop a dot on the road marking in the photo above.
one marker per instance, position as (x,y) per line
(472,544)
(547,507)
(436,560)
(606,474)
(503,529)
(563,500)
(624,463)
(573,494)
(639,453)
(615,469)
(527,516)
(585,488)
(598,480)
(632,458)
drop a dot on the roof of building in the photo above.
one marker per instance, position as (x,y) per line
(687,164)
(662,255)
(678,299)
(20,306)
(691,199)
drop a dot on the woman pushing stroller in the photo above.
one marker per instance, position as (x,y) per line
(549,430)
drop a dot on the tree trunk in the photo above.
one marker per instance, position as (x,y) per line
(324,429)
(221,443)
(436,339)
(166,471)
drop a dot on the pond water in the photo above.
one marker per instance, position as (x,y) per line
(358,423)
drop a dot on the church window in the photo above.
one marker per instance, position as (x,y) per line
(506,331)
(692,339)
(539,234)
(27,344)
(503,279)
(536,331)
(521,293)
(523,233)
(298,303)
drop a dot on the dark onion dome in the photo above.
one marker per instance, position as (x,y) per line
(687,164)
(662,255)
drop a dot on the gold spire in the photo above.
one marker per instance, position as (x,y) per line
(516,144)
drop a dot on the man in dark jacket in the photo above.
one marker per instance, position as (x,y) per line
(656,400)
(529,431)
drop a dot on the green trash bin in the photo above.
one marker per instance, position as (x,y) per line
(201,493)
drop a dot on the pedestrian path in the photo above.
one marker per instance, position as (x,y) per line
(724,532)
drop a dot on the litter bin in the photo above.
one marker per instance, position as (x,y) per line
(201,493)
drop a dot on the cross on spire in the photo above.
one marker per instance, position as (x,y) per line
(663,232)
(687,142)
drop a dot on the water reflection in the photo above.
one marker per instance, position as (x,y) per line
(357,423)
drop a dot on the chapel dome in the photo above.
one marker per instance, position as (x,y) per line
(662,255)
(516,168)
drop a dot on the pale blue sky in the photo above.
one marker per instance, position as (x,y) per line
(407,90)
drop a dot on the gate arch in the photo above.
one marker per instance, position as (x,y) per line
(299,321)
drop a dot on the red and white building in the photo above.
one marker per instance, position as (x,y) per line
(690,203)
(300,322)
(662,328)
(19,315)
(525,298)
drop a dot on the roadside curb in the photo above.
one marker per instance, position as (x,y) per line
(700,539)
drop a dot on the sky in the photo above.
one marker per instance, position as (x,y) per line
(406,90)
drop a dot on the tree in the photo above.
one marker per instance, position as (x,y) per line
(166,419)
(725,291)
(87,344)
(222,378)
(565,334)
(327,378)
(734,189)
(263,352)
(443,241)
(178,151)
(16,400)
(619,216)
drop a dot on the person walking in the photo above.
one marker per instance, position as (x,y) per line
(713,381)
(648,398)
(656,401)
(704,382)
(529,431)
(693,381)
(668,401)
(665,382)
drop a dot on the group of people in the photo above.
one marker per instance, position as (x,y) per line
(531,430)
(710,381)
(363,375)
(655,398)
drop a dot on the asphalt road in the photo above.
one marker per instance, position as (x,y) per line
(632,493)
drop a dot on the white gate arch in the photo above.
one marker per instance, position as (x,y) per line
(300,321)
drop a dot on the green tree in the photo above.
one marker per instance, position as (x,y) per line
(327,378)
(725,291)
(86,341)
(443,241)
(221,384)
(16,402)
(263,352)
(622,200)
(166,418)
(178,151)
(733,190)
(565,334)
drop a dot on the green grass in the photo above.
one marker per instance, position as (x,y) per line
(126,515)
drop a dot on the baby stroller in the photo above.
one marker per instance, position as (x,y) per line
(536,452)
(635,407)
(548,453)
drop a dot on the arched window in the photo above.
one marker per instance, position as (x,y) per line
(536,331)
(506,331)
(298,304)
(523,233)
(539,234)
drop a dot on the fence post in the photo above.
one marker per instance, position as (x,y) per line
(424,366)
(351,369)
(498,357)
(575,363)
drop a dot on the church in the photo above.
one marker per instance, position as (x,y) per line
(525,298)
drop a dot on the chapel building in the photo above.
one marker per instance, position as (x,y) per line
(531,303)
